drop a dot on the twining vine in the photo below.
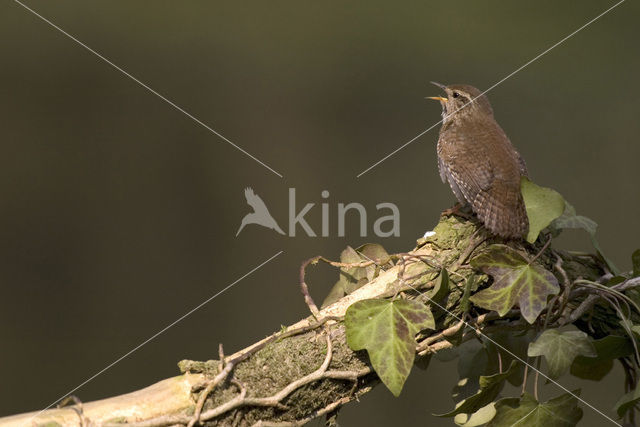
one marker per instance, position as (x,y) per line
(501,307)
(526,279)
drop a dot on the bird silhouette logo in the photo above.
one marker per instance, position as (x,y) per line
(260,214)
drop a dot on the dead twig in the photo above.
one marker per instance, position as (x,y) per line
(276,399)
(584,306)
(424,345)
(476,240)
(226,367)
(305,289)
(76,405)
(567,285)
(241,400)
(329,408)
(314,260)
(208,389)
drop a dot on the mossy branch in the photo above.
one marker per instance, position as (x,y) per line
(307,369)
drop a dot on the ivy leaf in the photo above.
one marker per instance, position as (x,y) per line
(607,261)
(543,206)
(615,280)
(447,354)
(569,219)
(374,252)
(562,411)
(517,343)
(472,363)
(514,281)
(478,418)
(490,387)
(627,402)
(337,292)
(387,329)
(608,349)
(441,288)
(349,277)
(352,278)
(560,348)
(635,259)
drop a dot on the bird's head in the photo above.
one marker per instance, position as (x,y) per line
(462,100)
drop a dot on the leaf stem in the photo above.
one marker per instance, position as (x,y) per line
(535,383)
(525,378)
(544,248)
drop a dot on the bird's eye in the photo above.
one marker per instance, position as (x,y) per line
(456,94)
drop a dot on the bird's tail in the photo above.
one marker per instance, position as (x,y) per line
(501,209)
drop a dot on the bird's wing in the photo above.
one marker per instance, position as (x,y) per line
(492,187)
(469,182)
(497,201)
(502,209)
(254,200)
(442,169)
(466,164)
(522,164)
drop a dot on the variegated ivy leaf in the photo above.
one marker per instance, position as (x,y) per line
(387,330)
(559,348)
(514,282)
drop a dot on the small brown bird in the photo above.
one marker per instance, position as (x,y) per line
(479,162)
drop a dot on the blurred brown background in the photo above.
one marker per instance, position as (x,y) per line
(118,214)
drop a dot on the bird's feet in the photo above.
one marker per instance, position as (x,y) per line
(457,210)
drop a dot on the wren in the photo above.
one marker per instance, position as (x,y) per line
(479,162)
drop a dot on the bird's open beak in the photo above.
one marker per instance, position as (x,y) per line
(437,98)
